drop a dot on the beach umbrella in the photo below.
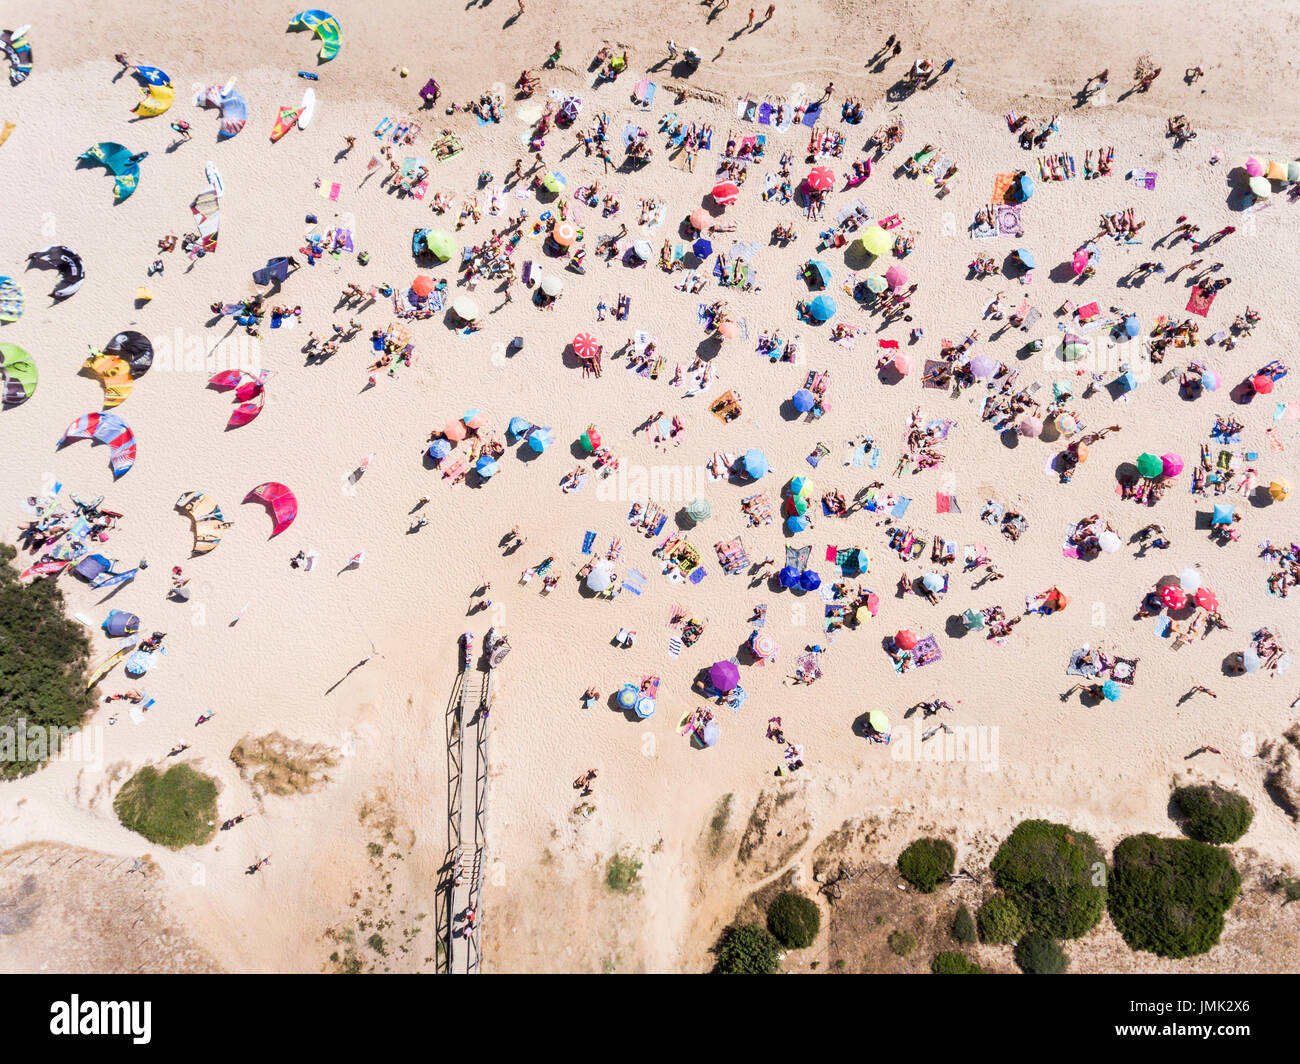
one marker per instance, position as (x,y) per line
(1254,167)
(878,721)
(702,248)
(1031,426)
(1074,348)
(599,578)
(1110,691)
(755,463)
(1148,465)
(1057,599)
(788,577)
(564,233)
(1210,380)
(1262,384)
(932,582)
(822,308)
(1189,580)
(1108,542)
(1173,596)
(728,329)
(441,244)
(875,283)
(1251,660)
(439,449)
(552,285)
(465,308)
(810,580)
(726,193)
(539,439)
(590,440)
(906,639)
(902,364)
(821,178)
(1222,514)
(1171,464)
(1026,258)
(554,182)
(486,466)
(862,615)
(710,734)
(804,400)
(642,250)
(873,603)
(455,430)
(1132,326)
(585,346)
(1066,423)
(423,285)
(645,707)
(724,675)
(801,486)
(1207,599)
(896,277)
(876,241)
(1080,450)
(518,427)
(1280,489)
(627,695)
(1260,188)
(699,219)
(818,274)
(1024,188)
(982,366)
(796,504)
(699,509)
(1293,170)
(764,646)
(796,523)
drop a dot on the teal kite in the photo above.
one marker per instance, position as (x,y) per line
(326,27)
(120,162)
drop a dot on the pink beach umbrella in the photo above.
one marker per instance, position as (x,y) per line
(1173,464)
(1080,261)
(764,646)
(982,366)
(1207,599)
(1254,167)
(896,277)
(1031,426)
(902,364)
(1262,384)
(1210,380)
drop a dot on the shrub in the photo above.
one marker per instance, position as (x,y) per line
(902,943)
(1168,896)
(1050,872)
(950,962)
(1214,813)
(622,873)
(1290,889)
(1000,920)
(794,920)
(43,657)
(1039,955)
(926,862)
(748,950)
(963,926)
(174,808)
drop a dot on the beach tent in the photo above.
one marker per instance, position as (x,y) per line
(234,111)
(157,90)
(109,429)
(118,161)
(325,26)
(17,375)
(72,274)
(876,241)
(119,623)
(822,308)
(283,503)
(276,269)
(12,300)
(754,463)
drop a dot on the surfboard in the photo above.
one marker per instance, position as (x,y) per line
(288,116)
(307,108)
(225,89)
(214,179)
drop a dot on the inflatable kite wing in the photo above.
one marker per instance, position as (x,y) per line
(19,53)
(326,27)
(118,161)
(206,517)
(157,91)
(109,429)
(57,257)
(12,300)
(17,375)
(248,391)
(283,503)
(234,111)
(135,348)
(114,374)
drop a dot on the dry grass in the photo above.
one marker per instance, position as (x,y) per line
(276,764)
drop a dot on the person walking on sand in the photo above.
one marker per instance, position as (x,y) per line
(349,141)
(750,24)
(1202,690)
(771,10)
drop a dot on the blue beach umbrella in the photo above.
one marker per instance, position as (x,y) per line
(804,400)
(539,439)
(519,427)
(702,249)
(627,696)
(486,466)
(809,580)
(818,274)
(1026,258)
(1110,691)
(439,449)
(1024,188)
(796,523)
(755,463)
(1132,326)
(789,577)
(822,308)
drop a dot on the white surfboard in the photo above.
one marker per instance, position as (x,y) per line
(225,89)
(214,180)
(308,108)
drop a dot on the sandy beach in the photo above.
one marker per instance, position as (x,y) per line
(360,660)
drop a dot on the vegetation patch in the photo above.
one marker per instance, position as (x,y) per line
(794,920)
(1055,875)
(175,808)
(1039,955)
(902,943)
(276,764)
(963,926)
(748,950)
(1214,814)
(622,873)
(926,862)
(1000,920)
(950,962)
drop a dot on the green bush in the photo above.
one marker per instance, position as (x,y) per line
(1056,876)
(622,873)
(950,962)
(748,950)
(1000,920)
(926,862)
(794,920)
(1168,896)
(1039,955)
(43,658)
(963,926)
(174,808)
(902,943)
(1214,813)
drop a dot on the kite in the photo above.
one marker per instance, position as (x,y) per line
(206,209)
(66,261)
(288,116)
(157,91)
(135,348)
(12,300)
(114,374)
(326,27)
(19,53)
(206,517)
(17,375)
(234,111)
(249,391)
(109,429)
(283,503)
(120,162)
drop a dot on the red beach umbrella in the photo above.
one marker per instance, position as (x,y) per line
(906,639)
(726,192)
(1173,596)
(1207,599)
(821,178)
(585,346)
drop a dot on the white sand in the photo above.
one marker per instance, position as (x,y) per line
(1107,770)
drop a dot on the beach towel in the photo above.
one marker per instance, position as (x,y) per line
(1009,220)
(927,652)
(587,540)
(993,512)
(873,458)
(811,115)
(1077,668)
(1145,179)
(674,647)
(945,504)
(859,455)
(765,114)
(987,231)
(1002,187)
(821,452)
(1201,301)
(1274,440)
(900,508)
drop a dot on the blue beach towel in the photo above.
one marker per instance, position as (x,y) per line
(811,115)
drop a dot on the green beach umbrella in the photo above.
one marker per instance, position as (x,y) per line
(466,309)
(876,283)
(1260,187)
(1150,465)
(875,241)
(699,509)
(554,182)
(878,721)
(441,244)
